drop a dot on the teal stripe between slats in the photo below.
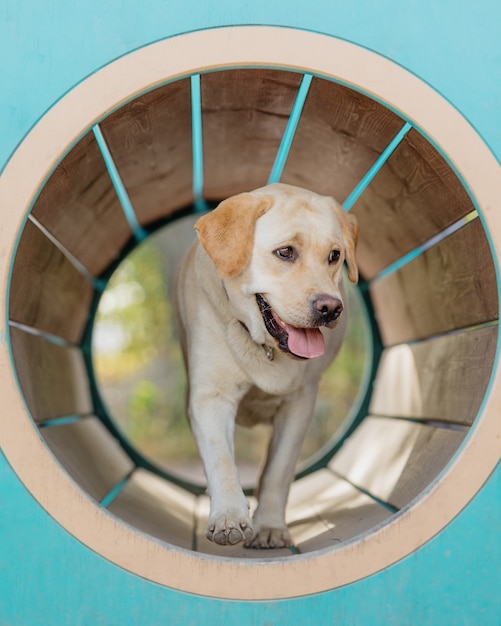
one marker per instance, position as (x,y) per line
(290,130)
(370,175)
(139,233)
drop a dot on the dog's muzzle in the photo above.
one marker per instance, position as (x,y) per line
(302,343)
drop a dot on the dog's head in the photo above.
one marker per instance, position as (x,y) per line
(280,252)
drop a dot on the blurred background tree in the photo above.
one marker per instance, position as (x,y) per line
(140,374)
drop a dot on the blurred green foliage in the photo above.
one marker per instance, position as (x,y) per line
(139,370)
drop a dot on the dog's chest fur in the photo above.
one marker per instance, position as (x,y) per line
(257,407)
(280,376)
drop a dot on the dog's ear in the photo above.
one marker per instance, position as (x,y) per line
(227,232)
(350,229)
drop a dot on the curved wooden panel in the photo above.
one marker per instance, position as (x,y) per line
(244,115)
(340,135)
(443,379)
(414,196)
(47,292)
(53,378)
(80,208)
(395,460)
(90,455)
(450,286)
(324,510)
(150,142)
(157,508)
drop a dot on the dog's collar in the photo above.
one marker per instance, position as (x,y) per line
(268,350)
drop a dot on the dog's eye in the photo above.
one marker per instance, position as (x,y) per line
(334,256)
(287,253)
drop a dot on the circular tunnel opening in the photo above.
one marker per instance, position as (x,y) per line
(428,289)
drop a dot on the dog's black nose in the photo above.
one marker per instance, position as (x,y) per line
(326,308)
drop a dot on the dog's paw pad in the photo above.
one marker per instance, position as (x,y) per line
(227,530)
(270,538)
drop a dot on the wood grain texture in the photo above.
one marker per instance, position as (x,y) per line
(324,510)
(90,455)
(450,286)
(395,460)
(157,507)
(340,135)
(80,208)
(150,142)
(47,292)
(442,379)
(53,378)
(244,116)
(414,196)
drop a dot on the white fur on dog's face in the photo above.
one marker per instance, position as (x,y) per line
(289,285)
(312,231)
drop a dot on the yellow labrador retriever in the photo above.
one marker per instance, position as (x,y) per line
(259,308)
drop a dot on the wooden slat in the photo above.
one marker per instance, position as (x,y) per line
(395,460)
(47,292)
(157,508)
(450,286)
(150,142)
(90,455)
(244,115)
(442,379)
(415,196)
(325,510)
(80,208)
(339,136)
(53,378)
(208,547)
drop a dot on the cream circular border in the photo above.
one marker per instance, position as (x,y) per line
(107,89)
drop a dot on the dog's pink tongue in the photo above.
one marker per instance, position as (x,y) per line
(305,342)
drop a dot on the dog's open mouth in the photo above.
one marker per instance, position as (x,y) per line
(305,343)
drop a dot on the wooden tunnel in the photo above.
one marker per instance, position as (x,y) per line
(423,255)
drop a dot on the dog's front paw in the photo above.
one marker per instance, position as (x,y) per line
(270,538)
(229,529)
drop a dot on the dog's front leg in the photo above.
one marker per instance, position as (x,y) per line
(290,425)
(213,423)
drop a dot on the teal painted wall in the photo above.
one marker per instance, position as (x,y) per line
(47,47)
(46,577)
